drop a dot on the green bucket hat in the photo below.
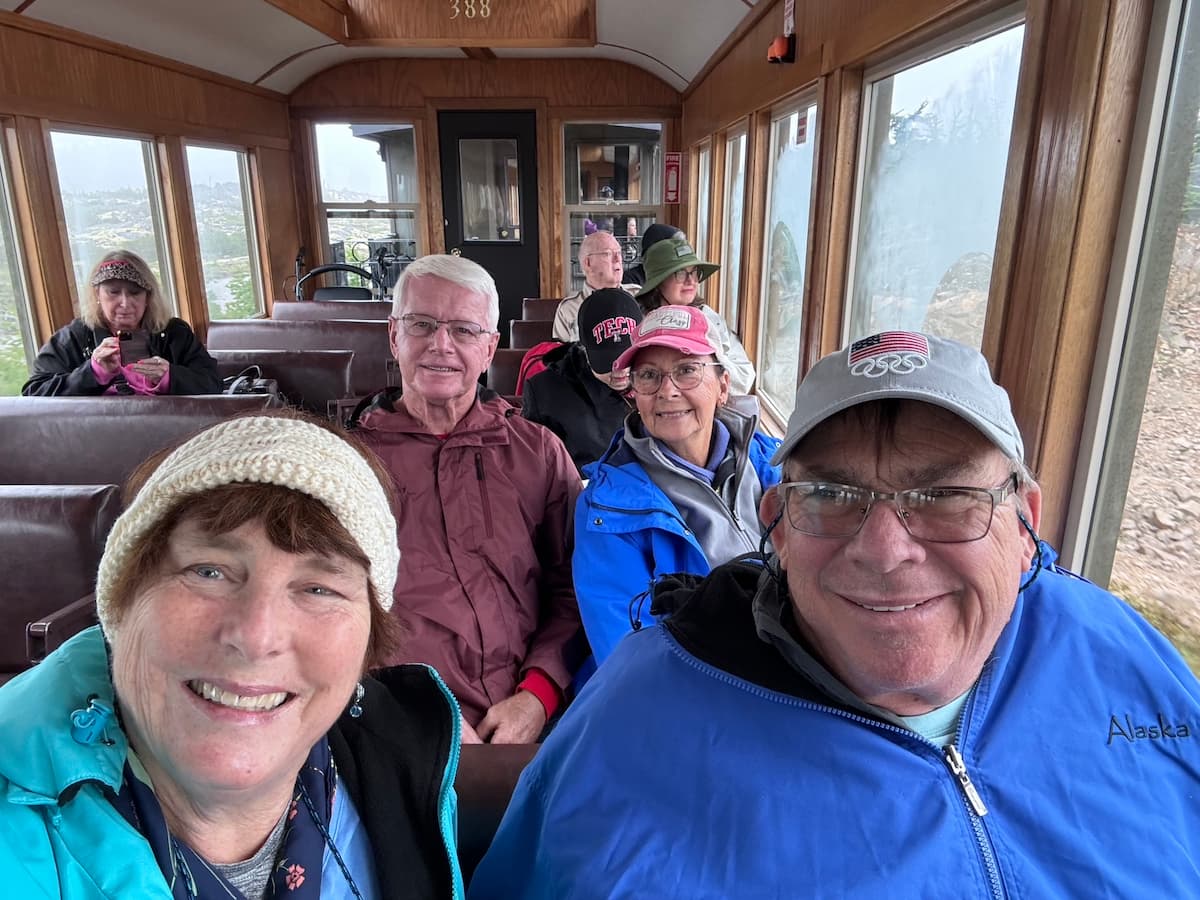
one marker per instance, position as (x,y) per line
(670,256)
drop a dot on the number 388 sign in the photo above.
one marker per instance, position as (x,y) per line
(470,9)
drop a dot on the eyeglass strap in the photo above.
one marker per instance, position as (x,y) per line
(1037,553)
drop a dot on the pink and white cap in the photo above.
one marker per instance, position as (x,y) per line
(682,328)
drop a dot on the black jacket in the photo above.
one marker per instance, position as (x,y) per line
(583,411)
(64,365)
(392,760)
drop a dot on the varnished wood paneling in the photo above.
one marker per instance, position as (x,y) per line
(60,75)
(1089,92)
(182,236)
(830,34)
(591,83)
(276,198)
(463,23)
(39,220)
(838,115)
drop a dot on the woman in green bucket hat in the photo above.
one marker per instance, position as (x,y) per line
(673,276)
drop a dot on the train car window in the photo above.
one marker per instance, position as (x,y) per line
(369,198)
(1142,529)
(17,347)
(490,189)
(112,200)
(224,209)
(612,181)
(703,157)
(931,173)
(736,145)
(789,201)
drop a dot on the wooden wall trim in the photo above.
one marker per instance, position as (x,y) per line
(111,48)
(1071,205)
(54,74)
(754,231)
(597,84)
(42,231)
(182,237)
(839,116)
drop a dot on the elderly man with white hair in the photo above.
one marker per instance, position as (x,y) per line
(486,498)
(602,263)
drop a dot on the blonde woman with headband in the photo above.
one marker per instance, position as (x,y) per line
(125,341)
(217,735)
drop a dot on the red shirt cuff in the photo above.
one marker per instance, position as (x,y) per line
(543,687)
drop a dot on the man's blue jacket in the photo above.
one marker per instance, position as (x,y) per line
(698,764)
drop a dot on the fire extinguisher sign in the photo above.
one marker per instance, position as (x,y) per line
(672,162)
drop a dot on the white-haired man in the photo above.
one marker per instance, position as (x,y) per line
(484,503)
(602,263)
(909,700)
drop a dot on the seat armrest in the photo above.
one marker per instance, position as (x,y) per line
(46,634)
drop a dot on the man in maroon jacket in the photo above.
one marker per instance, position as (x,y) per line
(485,499)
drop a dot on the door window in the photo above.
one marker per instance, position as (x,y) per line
(490,187)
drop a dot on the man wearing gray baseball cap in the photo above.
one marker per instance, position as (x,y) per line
(908,698)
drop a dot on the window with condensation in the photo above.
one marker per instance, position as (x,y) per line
(931,173)
(612,181)
(112,200)
(370,202)
(703,203)
(731,252)
(17,347)
(702,199)
(789,203)
(223,206)
(1143,527)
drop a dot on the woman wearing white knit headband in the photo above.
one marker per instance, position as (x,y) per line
(216,736)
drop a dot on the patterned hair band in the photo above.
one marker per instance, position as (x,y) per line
(123,270)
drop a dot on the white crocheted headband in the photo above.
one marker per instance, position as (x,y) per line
(267,450)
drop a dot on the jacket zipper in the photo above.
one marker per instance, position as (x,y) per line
(983,842)
(483,494)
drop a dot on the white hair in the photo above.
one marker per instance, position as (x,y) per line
(457,270)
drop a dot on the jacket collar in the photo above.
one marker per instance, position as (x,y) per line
(483,423)
(38,755)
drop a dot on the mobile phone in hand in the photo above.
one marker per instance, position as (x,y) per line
(134,346)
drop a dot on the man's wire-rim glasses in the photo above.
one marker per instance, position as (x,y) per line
(947,514)
(416,325)
(686,375)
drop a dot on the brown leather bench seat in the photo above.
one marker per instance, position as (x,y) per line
(372,365)
(51,538)
(309,379)
(325,310)
(487,775)
(101,440)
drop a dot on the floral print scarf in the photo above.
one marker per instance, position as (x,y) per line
(297,871)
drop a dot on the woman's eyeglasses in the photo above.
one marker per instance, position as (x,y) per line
(692,274)
(686,376)
(424,326)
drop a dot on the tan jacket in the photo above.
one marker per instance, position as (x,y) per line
(485,553)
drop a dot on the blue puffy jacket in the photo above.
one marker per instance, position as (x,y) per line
(628,533)
(672,778)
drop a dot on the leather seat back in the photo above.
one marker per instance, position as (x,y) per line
(369,340)
(51,538)
(101,440)
(324,310)
(309,379)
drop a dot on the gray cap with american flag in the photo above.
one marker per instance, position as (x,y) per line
(905,365)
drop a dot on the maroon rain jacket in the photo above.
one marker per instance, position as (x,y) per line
(484,521)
